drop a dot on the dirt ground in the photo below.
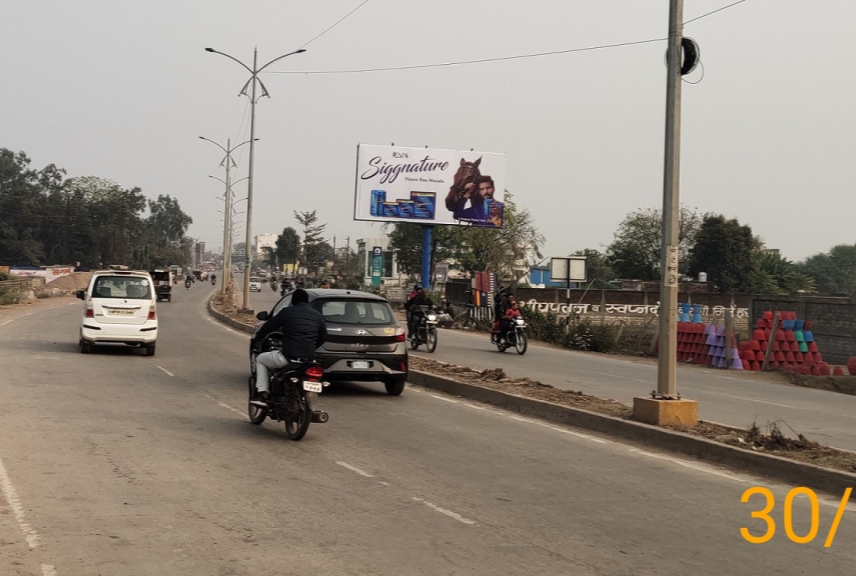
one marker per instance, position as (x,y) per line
(771,439)
(225,304)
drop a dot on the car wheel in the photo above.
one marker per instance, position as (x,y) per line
(394,387)
(85,347)
(150,349)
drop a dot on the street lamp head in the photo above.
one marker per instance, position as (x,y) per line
(210,50)
(302,50)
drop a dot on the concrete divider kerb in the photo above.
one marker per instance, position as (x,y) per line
(226,319)
(827,480)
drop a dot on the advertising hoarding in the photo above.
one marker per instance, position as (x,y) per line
(429,186)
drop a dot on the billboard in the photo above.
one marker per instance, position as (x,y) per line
(429,186)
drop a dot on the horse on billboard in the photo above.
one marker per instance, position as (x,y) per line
(467,173)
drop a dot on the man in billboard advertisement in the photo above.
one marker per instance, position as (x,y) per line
(429,186)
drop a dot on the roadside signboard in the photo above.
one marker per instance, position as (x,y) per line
(429,186)
(377,265)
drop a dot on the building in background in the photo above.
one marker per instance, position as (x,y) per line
(389,272)
(261,241)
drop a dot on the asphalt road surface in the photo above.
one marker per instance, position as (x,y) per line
(117,464)
(733,398)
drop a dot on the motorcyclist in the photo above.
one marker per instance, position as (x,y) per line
(188,280)
(500,306)
(213,279)
(511,313)
(273,284)
(303,331)
(413,307)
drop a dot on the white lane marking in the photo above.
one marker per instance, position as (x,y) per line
(229,328)
(167,372)
(357,470)
(224,405)
(474,406)
(16,318)
(11,496)
(752,400)
(693,466)
(448,513)
(446,399)
(48,570)
(384,483)
(586,436)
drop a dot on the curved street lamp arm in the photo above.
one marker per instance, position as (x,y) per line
(250,70)
(220,146)
(280,58)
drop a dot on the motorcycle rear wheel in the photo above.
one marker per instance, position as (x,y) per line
(257,415)
(296,429)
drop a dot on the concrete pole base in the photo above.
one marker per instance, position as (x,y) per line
(666,412)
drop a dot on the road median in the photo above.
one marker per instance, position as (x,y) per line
(794,461)
(223,309)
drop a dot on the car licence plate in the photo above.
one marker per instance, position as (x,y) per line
(312,386)
(121,312)
(360,364)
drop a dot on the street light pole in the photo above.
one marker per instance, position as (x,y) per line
(227,224)
(254,73)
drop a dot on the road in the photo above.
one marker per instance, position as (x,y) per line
(118,464)
(732,398)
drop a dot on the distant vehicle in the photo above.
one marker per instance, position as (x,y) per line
(163,284)
(364,340)
(120,307)
(255,284)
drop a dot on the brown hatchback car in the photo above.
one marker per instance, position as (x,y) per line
(364,340)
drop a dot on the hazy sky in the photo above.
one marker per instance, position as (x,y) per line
(122,89)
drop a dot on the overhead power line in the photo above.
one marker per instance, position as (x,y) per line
(484,60)
(335,24)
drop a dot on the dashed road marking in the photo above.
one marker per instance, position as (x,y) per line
(16,318)
(167,372)
(11,496)
(442,398)
(224,405)
(355,469)
(586,436)
(448,513)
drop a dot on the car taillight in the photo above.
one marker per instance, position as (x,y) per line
(400,334)
(314,372)
(151,312)
(404,367)
(89,313)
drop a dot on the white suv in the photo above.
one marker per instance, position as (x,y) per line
(120,308)
(255,284)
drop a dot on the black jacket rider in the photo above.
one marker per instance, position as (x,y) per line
(303,330)
(415,312)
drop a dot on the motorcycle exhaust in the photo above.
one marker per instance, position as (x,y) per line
(320,416)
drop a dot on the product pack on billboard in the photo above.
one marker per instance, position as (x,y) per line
(429,186)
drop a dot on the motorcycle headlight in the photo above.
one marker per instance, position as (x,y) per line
(431,317)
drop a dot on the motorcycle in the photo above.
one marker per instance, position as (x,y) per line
(426,330)
(273,285)
(291,400)
(187,284)
(213,280)
(515,336)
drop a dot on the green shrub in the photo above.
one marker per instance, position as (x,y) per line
(3,276)
(43,295)
(8,297)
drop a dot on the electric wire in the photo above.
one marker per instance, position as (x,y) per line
(335,24)
(499,59)
(480,61)
(714,12)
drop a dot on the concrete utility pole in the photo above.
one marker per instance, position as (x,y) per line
(665,405)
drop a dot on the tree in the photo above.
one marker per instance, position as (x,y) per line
(503,251)
(774,274)
(312,237)
(726,251)
(288,246)
(405,239)
(636,251)
(833,271)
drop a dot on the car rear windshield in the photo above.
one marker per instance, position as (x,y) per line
(132,287)
(350,311)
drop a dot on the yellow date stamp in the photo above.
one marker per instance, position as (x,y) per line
(770,502)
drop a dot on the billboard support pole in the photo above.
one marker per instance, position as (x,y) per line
(426,256)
